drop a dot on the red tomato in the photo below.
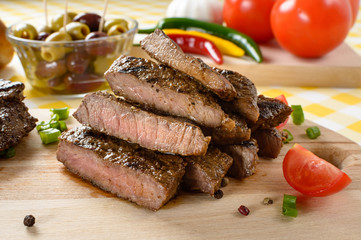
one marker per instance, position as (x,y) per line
(310,28)
(283,99)
(311,175)
(355,8)
(251,17)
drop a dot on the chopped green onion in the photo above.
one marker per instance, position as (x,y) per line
(54,117)
(49,135)
(289,205)
(8,153)
(297,114)
(42,126)
(62,126)
(63,113)
(313,132)
(55,125)
(289,136)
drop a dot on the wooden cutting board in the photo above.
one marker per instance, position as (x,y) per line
(339,68)
(65,207)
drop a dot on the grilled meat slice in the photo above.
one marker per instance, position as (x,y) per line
(272,111)
(235,132)
(245,102)
(269,142)
(15,120)
(15,123)
(160,47)
(11,90)
(108,114)
(139,175)
(244,159)
(160,87)
(205,173)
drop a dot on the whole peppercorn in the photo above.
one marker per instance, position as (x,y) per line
(29,220)
(218,194)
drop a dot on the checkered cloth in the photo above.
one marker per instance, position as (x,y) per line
(335,108)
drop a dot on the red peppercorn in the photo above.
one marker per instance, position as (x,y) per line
(243,210)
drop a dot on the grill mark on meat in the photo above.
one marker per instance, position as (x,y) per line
(160,47)
(15,120)
(157,86)
(245,102)
(108,114)
(269,142)
(273,112)
(139,175)
(205,173)
(244,159)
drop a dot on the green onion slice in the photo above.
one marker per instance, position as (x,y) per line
(289,205)
(289,136)
(313,132)
(49,135)
(63,113)
(297,114)
(62,126)
(8,153)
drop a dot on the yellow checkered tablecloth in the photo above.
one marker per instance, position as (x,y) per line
(338,109)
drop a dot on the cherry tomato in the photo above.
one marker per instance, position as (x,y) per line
(310,28)
(283,99)
(251,17)
(311,175)
(354,7)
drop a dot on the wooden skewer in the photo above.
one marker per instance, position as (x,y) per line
(65,15)
(45,12)
(101,24)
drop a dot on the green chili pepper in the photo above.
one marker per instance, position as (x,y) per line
(63,113)
(289,205)
(297,114)
(313,132)
(49,135)
(289,136)
(238,38)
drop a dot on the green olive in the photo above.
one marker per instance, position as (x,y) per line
(53,53)
(25,30)
(116,29)
(77,30)
(102,63)
(45,29)
(111,22)
(58,20)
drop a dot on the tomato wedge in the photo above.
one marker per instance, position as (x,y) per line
(283,99)
(311,175)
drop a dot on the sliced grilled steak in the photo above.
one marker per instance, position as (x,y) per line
(139,175)
(205,173)
(11,90)
(160,47)
(245,102)
(272,111)
(235,132)
(15,120)
(269,142)
(244,159)
(160,87)
(108,114)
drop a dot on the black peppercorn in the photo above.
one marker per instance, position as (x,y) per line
(218,194)
(29,220)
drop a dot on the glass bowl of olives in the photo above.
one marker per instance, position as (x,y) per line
(71,59)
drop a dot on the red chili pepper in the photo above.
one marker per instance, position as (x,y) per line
(197,45)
